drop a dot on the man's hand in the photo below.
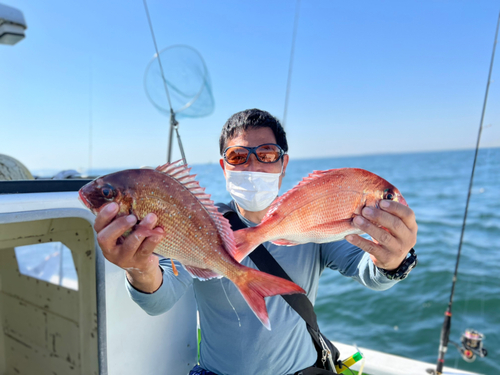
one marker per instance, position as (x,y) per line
(389,248)
(135,253)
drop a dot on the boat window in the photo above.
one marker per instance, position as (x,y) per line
(51,262)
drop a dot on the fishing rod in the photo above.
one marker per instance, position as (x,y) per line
(174,124)
(471,340)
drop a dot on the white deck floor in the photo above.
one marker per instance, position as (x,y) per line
(378,363)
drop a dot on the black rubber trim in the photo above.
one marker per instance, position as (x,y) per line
(41,186)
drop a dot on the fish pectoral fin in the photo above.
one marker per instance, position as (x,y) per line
(202,273)
(283,242)
(176,273)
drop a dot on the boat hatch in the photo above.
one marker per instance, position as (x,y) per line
(48,328)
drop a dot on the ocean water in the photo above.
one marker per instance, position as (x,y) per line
(406,320)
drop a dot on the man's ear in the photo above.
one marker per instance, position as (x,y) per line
(285,164)
(221,162)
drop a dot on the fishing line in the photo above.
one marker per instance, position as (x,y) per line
(468,291)
(227,297)
(290,64)
(486,191)
(483,178)
(445,331)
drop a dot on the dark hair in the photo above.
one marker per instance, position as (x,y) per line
(252,119)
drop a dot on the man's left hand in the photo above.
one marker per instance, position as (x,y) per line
(389,247)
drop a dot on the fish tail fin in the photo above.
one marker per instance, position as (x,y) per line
(246,241)
(254,285)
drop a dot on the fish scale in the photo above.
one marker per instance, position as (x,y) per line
(319,209)
(197,235)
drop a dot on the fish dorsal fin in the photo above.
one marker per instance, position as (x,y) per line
(165,168)
(315,175)
(177,170)
(224,229)
(180,172)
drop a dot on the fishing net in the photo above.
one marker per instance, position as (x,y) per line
(189,91)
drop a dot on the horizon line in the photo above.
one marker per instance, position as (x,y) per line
(85,171)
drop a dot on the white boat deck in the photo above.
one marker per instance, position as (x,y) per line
(378,363)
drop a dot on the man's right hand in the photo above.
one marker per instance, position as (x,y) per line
(135,253)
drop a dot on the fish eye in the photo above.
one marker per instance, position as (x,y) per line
(389,194)
(108,192)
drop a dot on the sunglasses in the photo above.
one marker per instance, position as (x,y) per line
(266,153)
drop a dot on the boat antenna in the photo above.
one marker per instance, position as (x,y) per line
(445,331)
(174,124)
(290,64)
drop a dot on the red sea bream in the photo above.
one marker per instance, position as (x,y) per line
(197,235)
(319,209)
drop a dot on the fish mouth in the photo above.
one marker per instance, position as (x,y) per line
(401,200)
(83,199)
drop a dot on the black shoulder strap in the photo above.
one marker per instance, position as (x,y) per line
(266,263)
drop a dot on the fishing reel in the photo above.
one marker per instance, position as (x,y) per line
(471,345)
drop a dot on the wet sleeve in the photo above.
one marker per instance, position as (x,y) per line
(353,262)
(171,290)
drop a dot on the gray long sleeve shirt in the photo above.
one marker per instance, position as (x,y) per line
(233,340)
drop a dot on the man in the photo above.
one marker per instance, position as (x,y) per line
(233,339)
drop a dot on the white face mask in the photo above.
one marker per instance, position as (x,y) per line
(252,191)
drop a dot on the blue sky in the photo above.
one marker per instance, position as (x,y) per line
(369,77)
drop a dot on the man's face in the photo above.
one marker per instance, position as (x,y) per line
(254,138)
